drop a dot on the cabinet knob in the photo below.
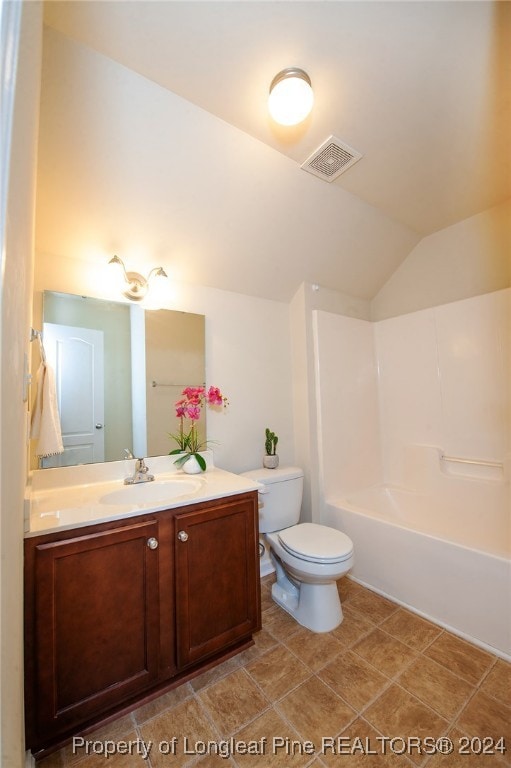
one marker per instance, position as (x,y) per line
(182,536)
(152,543)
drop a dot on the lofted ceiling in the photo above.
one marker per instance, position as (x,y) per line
(421,89)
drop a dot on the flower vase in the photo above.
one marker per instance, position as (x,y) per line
(192,466)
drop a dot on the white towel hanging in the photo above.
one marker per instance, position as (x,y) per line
(45,425)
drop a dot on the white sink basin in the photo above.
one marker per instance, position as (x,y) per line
(155,492)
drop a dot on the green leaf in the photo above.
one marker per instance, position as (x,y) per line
(200,460)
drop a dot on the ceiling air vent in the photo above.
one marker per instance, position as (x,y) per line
(331,159)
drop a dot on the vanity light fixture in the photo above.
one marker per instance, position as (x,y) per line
(133,285)
(291,96)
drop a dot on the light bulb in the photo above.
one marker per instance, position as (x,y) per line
(115,274)
(291,96)
(158,290)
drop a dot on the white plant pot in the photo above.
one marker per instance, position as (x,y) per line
(271,462)
(192,466)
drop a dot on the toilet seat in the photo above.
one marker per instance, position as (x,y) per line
(316,543)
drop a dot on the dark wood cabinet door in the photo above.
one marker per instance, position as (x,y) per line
(217,580)
(96,623)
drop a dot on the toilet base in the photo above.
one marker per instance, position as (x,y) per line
(265,563)
(315,606)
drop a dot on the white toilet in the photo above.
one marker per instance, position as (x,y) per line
(308,558)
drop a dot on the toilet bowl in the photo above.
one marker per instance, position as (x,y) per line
(306,583)
(308,558)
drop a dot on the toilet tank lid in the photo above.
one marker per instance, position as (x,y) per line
(279,475)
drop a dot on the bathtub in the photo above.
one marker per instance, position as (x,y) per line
(446,558)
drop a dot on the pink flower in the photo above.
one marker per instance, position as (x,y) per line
(214,396)
(193,412)
(194,394)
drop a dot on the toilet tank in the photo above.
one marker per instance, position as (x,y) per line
(281,499)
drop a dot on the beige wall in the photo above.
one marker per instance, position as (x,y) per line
(15,323)
(467,259)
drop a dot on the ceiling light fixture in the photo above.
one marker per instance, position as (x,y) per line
(291,96)
(133,285)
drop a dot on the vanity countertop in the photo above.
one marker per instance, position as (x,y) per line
(75,499)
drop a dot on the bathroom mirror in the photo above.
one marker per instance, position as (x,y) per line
(119,371)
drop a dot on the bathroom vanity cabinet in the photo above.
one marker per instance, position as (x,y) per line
(118,612)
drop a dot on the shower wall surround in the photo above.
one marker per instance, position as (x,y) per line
(347,403)
(439,376)
(444,380)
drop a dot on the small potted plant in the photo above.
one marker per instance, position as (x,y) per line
(271,459)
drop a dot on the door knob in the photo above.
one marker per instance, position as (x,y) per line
(99,426)
(152,543)
(182,536)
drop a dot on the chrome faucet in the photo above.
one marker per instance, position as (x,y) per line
(140,475)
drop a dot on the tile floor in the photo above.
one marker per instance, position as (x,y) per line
(306,700)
